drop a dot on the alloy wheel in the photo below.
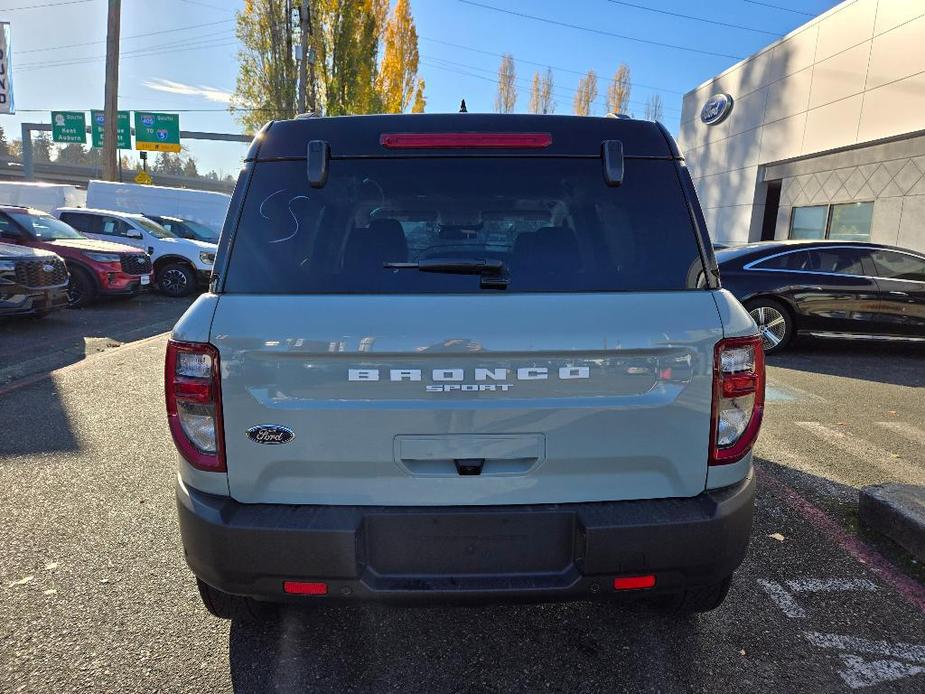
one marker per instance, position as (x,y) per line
(772,325)
(174,282)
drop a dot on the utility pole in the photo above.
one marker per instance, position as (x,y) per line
(304,24)
(111,97)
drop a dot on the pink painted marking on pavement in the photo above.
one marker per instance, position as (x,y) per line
(910,589)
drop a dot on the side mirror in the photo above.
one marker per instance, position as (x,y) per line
(133,234)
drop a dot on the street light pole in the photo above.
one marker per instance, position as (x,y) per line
(111,98)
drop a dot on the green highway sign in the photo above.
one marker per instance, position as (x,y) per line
(69,126)
(123,129)
(157,132)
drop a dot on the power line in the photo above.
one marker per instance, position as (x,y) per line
(47,4)
(533,62)
(695,19)
(778,7)
(523,81)
(205,4)
(139,53)
(591,30)
(527,81)
(125,38)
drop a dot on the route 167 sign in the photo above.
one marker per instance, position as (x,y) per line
(717,109)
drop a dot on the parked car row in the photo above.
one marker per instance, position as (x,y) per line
(92,253)
(112,239)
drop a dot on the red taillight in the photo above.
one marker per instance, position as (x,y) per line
(465,140)
(194,403)
(634,582)
(738,398)
(305,588)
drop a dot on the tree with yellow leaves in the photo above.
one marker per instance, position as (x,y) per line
(506,99)
(586,94)
(618,92)
(541,100)
(398,84)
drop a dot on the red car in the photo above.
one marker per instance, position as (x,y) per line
(97,268)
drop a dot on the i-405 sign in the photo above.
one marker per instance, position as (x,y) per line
(157,132)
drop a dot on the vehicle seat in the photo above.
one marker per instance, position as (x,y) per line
(381,242)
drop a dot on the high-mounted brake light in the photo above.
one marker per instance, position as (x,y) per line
(738,398)
(194,403)
(465,140)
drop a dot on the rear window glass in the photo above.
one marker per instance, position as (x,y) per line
(552,223)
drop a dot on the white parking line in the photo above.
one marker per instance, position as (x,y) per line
(903,651)
(783,599)
(906,430)
(887,461)
(830,585)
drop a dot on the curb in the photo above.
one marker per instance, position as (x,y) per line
(898,512)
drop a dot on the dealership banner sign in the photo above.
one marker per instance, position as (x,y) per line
(6,70)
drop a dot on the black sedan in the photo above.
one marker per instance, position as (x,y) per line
(828,289)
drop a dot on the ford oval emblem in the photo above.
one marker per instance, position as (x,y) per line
(717,109)
(270,434)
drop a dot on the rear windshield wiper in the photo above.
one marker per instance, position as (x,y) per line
(493,273)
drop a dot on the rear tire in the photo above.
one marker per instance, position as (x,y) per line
(81,289)
(775,323)
(694,600)
(218,603)
(226,606)
(176,279)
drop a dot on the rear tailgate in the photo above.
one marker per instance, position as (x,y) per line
(554,398)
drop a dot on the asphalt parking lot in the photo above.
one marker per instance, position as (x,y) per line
(94,594)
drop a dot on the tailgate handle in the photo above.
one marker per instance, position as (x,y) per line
(469,466)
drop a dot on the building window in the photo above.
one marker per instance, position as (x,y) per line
(809,222)
(844,222)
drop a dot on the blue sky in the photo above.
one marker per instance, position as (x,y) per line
(190,65)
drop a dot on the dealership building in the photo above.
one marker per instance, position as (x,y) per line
(819,135)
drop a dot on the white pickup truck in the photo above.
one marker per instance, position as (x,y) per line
(180,265)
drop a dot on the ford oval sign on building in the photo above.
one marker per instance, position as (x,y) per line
(717,109)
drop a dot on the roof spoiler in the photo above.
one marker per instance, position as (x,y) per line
(612,152)
(318,154)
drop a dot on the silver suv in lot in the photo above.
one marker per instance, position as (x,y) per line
(464,358)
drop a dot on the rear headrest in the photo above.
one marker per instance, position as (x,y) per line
(383,241)
(559,241)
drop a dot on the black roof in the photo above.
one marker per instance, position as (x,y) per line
(353,136)
(759,247)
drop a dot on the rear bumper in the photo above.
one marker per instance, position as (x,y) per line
(544,552)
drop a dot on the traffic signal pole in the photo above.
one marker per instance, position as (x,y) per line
(110,99)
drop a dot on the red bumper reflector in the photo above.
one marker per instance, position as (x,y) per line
(633,582)
(305,588)
(465,140)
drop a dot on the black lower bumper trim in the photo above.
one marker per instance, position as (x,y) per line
(543,552)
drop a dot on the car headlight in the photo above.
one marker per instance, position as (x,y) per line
(103,257)
(207,258)
(7,266)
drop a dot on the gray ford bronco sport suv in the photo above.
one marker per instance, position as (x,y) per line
(464,357)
